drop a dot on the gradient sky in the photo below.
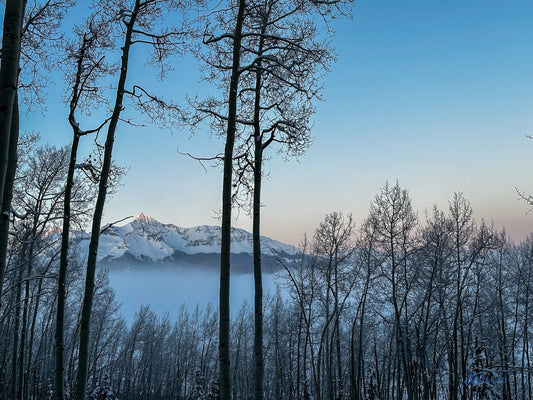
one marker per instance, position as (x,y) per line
(436,95)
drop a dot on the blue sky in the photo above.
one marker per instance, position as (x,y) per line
(436,95)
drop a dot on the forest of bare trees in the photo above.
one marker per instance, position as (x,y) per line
(398,306)
(367,312)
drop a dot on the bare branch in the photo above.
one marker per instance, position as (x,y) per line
(114,223)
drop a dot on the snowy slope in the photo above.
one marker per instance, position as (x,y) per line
(147,240)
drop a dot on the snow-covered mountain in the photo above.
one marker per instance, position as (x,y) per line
(145,241)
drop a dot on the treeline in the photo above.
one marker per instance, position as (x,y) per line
(395,307)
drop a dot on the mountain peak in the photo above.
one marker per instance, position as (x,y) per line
(146,219)
(148,240)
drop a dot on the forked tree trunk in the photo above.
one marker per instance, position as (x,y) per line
(65,233)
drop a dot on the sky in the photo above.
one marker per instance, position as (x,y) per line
(435,95)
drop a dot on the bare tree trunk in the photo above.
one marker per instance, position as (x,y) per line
(63,266)
(22,348)
(259,363)
(14,13)
(336,331)
(16,317)
(258,282)
(7,195)
(81,378)
(258,279)
(225,248)
(503,344)
(356,360)
(65,233)
(29,367)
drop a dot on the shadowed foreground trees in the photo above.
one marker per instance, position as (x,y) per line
(34,250)
(339,294)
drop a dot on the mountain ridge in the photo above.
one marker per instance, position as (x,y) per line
(146,241)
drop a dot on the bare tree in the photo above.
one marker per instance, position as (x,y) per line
(225,61)
(333,243)
(38,197)
(469,245)
(366,268)
(139,19)
(89,65)
(394,220)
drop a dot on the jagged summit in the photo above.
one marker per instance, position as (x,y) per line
(146,219)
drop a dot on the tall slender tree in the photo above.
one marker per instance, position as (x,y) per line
(140,19)
(89,65)
(225,249)
(83,359)
(225,62)
(9,71)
